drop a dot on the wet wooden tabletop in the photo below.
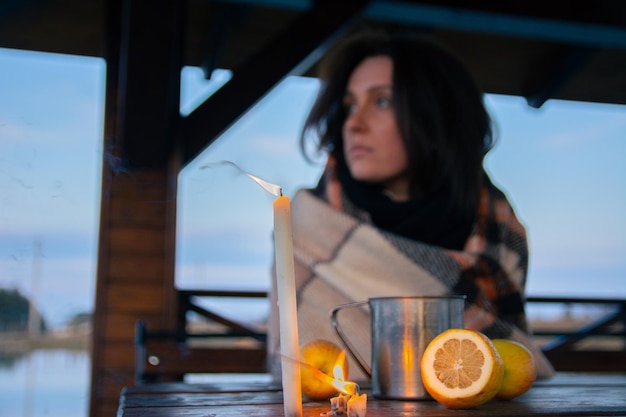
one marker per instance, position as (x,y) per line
(564,395)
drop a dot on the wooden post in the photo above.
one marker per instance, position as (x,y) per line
(135,277)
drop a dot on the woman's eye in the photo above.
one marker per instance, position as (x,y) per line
(383,102)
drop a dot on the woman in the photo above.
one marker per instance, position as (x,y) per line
(404,206)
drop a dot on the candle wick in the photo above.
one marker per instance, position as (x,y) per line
(280,191)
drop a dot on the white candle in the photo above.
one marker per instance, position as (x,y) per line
(287,308)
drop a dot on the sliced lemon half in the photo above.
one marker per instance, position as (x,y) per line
(461,368)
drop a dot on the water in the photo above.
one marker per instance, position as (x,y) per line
(45,383)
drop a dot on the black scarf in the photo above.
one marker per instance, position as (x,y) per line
(424,219)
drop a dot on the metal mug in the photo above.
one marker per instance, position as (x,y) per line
(401,328)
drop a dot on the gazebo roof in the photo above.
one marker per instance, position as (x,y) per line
(529,49)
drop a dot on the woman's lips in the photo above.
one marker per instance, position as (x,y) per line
(358,151)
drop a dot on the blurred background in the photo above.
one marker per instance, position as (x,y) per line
(561,165)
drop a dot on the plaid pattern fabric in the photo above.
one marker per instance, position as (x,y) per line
(341,258)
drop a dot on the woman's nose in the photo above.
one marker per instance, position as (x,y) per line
(354,120)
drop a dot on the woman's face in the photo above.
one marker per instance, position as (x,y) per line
(372,144)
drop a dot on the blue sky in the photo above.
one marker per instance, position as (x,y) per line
(563,167)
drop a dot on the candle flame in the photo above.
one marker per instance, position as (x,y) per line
(274,189)
(267,186)
(338,379)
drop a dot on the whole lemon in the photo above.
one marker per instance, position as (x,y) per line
(519,368)
(318,358)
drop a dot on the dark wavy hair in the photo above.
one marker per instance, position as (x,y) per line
(439,111)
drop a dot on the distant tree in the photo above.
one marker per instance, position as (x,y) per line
(14,311)
(80,319)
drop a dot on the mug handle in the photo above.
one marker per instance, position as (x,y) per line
(344,339)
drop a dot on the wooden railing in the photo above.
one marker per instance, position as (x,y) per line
(605,337)
(229,347)
(234,347)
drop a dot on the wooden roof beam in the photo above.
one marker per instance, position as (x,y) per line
(472,19)
(557,73)
(292,52)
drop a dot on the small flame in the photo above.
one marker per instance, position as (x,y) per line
(338,379)
(267,186)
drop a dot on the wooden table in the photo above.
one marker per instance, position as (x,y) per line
(564,395)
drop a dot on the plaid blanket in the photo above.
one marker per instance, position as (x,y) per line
(341,258)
